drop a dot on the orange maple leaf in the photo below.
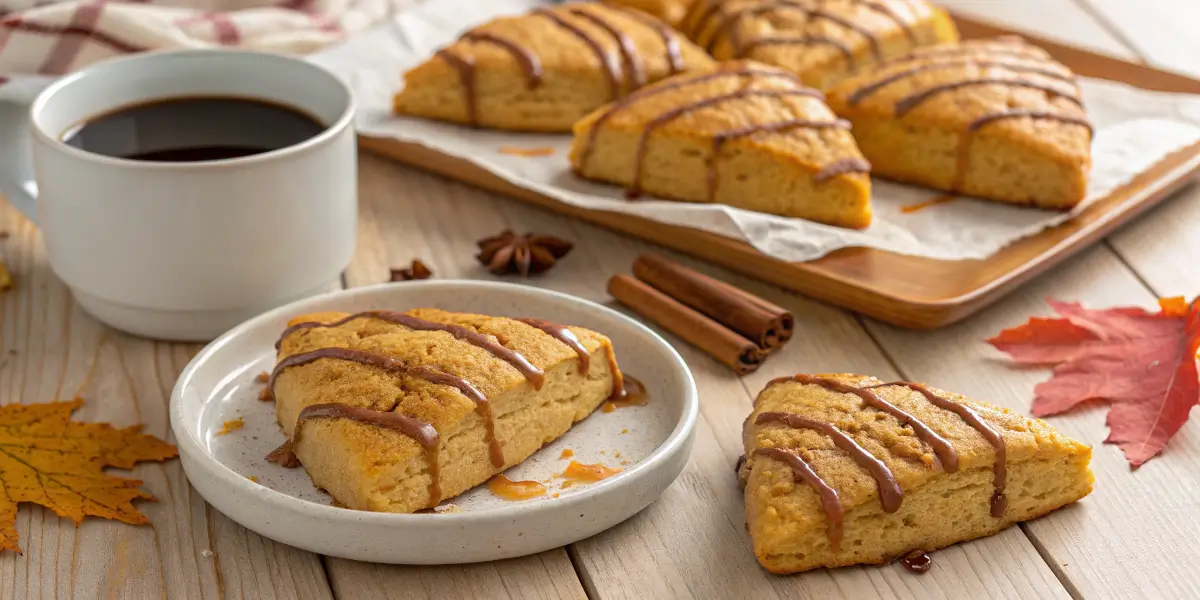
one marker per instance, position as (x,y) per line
(48,459)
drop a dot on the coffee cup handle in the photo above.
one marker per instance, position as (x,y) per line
(16,175)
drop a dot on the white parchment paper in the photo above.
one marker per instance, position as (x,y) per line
(1134,130)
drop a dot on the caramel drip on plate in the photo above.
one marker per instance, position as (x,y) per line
(670,43)
(911,101)
(479,340)
(611,68)
(802,40)
(835,513)
(720,139)
(675,113)
(629,52)
(387,363)
(729,21)
(841,167)
(420,432)
(963,152)
(529,61)
(466,77)
(857,95)
(633,393)
(590,142)
(515,491)
(564,335)
(972,418)
(890,494)
(922,205)
(917,562)
(942,448)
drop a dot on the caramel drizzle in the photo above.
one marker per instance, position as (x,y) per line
(835,513)
(566,336)
(720,139)
(997,50)
(841,167)
(671,115)
(908,103)
(1000,469)
(419,431)
(529,61)
(618,379)
(671,45)
(890,494)
(610,67)
(479,340)
(861,93)
(802,40)
(728,24)
(629,53)
(387,363)
(466,77)
(941,448)
(1032,114)
(590,142)
(963,152)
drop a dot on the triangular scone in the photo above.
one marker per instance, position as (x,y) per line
(995,119)
(845,469)
(670,11)
(544,70)
(747,135)
(822,42)
(394,412)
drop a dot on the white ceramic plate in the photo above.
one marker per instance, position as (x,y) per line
(651,443)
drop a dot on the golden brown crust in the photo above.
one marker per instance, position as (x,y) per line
(997,119)
(747,135)
(790,527)
(821,42)
(670,12)
(544,70)
(372,468)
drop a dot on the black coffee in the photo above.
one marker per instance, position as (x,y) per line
(194,129)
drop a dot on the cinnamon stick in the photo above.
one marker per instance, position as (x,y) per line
(758,320)
(718,341)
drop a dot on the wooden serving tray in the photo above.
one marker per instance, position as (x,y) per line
(904,290)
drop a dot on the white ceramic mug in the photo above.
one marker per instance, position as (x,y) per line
(186,250)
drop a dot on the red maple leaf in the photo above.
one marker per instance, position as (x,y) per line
(1143,363)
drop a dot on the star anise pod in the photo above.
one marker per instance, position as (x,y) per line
(524,254)
(418,270)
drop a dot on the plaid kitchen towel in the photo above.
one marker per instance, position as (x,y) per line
(52,38)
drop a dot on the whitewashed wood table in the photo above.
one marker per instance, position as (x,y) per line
(1134,537)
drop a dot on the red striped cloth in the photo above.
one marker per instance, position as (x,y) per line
(52,38)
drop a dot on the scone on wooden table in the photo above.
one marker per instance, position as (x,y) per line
(394,412)
(997,119)
(845,469)
(544,70)
(670,12)
(822,42)
(747,135)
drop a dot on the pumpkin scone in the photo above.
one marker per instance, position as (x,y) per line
(846,469)
(670,12)
(394,412)
(544,70)
(996,119)
(822,42)
(746,135)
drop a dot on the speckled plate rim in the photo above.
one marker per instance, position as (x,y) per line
(195,456)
